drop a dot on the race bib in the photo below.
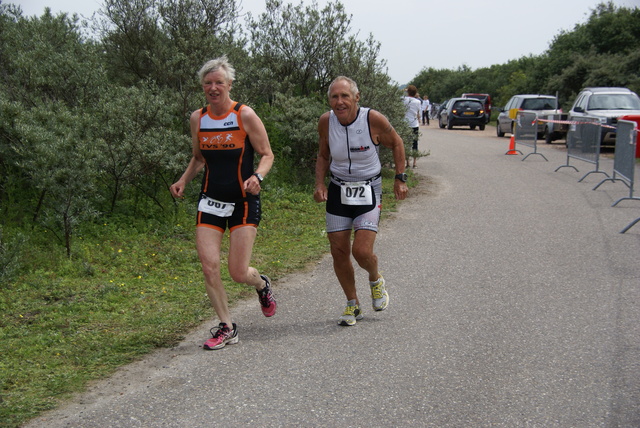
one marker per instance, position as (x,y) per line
(211,206)
(356,193)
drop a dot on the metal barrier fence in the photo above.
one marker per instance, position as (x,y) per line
(527,132)
(626,142)
(624,160)
(583,143)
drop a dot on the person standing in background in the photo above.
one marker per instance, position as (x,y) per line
(412,117)
(426,107)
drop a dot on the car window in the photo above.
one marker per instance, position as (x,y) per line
(614,102)
(510,104)
(482,98)
(468,104)
(539,104)
(578,102)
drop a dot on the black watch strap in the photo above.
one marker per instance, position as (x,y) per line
(402,177)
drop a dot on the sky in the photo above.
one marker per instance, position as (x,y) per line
(419,34)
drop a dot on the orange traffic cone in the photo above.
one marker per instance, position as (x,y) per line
(512,147)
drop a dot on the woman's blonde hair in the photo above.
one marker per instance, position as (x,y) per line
(221,63)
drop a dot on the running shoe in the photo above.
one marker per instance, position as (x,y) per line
(379,295)
(267,301)
(351,314)
(221,336)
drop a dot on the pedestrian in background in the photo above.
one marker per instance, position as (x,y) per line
(426,107)
(412,117)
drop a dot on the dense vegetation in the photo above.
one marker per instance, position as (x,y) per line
(94,127)
(97,264)
(604,51)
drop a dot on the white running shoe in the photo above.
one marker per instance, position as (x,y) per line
(379,295)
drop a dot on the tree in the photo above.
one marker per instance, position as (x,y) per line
(49,72)
(55,153)
(596,53)
(297,44)
(167,41)
(46,59)
(296,52)
(138,147)
(612,30)
(301,49)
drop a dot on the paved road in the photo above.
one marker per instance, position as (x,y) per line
(515,302)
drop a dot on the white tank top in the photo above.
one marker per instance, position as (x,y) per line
(354,155)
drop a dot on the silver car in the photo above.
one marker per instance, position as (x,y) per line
(542,105)
(608,104)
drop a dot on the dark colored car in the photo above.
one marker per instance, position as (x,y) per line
(486,101)
(463,112)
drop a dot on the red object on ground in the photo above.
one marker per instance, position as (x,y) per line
(635,118)
(512,147)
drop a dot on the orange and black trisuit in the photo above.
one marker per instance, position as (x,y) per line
(228,156)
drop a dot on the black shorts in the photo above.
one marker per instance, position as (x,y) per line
(341,217)
(247,212)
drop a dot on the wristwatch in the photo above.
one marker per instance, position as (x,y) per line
(258,176)
(402,177)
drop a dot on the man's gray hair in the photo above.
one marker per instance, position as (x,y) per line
(353,86)
(221,63)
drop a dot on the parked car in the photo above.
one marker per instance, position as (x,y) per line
(463,112)
(542,105)
(608,104)
(486,101)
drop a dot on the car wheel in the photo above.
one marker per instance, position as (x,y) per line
(472,127)
(499,133)
(449,124)
(547,135)
(482,127)
(440,123)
